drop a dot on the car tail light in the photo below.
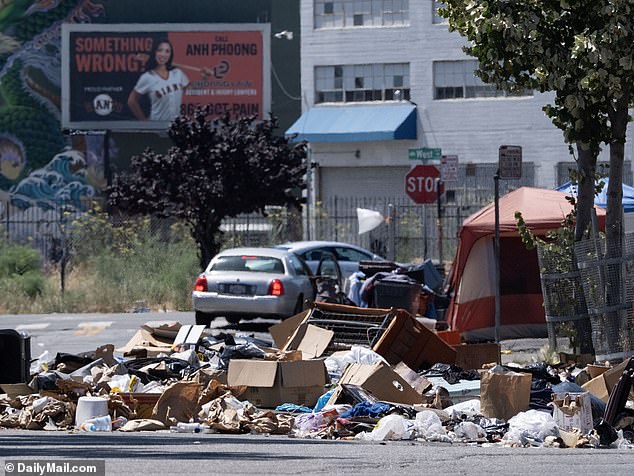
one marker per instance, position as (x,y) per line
(201,284)
(276,288)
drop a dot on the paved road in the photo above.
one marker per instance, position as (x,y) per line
(140,454)
(76,333)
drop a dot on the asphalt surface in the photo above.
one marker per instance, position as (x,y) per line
(140,454)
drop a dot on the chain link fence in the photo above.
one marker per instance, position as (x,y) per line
(609,292)
(409,232)
(564,301)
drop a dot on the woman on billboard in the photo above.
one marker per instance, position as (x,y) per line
(162,82)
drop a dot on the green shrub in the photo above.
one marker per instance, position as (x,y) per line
(20,271)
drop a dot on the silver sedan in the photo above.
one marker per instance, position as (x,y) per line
(252,282)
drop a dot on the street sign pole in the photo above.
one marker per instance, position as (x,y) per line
(440,250)
(496,253)
(509,168)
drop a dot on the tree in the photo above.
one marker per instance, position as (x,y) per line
(216,169)
(580,49)
(583,50)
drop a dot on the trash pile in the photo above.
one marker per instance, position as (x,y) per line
(333,372)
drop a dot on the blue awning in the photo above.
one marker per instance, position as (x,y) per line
(356,123)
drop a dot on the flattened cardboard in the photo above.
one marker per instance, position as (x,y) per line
(311,340)
(602,385)
(272,383)
(189,334)
(595,370)
(381,381)
(283,331)
(411,342)
(573,410)
(144,339)
(417,381)
(16,389)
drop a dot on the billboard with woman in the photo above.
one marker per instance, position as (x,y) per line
(142,76)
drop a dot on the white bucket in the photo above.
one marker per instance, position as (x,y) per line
(90,407)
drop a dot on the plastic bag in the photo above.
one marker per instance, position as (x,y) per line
(321,402)
(391,427)
(188,356)
(429,426)
(530,427)
(310,422)
(469,431)
(41,363)
(125,383)
(356,355)
(463,410)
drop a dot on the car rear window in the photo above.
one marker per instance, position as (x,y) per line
(260,264)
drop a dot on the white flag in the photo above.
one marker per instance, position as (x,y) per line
(368,219)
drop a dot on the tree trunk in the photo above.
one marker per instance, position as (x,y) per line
(615,296)
(207,235)
(586,167)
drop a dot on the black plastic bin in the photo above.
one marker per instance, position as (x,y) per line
(15,356)
(397,294)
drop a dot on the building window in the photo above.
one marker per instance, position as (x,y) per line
(355,13)
(457,79)
(362,82)
(437,19)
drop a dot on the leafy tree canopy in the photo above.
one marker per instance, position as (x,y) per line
(216,169)
(583,50)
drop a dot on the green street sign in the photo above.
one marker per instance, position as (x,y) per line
(424,153)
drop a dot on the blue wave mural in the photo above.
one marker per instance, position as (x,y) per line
(62,180)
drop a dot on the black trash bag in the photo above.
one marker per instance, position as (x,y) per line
(451,373)
(72,362)
(174,368)
(539,371)
(494,428)
(47,380)
(239,351)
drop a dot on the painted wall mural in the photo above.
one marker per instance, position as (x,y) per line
(38,165)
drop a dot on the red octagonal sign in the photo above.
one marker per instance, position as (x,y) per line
(421,184)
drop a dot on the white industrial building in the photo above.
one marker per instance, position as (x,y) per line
(381,77)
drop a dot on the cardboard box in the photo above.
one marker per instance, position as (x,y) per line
(407,340)
(271,383)
(381,381)
(141,403)
(602,385)
(573,410)
(474,356)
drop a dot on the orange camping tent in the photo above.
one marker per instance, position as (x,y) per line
(471,309)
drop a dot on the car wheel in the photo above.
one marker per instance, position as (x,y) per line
(299,305)
(203,318)
(233,319)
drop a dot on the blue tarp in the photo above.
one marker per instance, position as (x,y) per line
(357,123)
(600,200)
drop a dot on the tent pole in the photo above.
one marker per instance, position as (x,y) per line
(496,252)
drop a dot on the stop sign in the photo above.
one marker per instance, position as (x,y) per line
(421,184)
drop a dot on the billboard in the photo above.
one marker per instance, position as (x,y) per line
(142,76)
